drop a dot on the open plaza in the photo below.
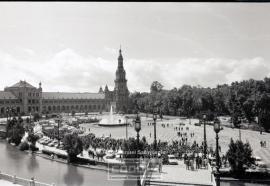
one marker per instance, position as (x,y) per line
(134,94)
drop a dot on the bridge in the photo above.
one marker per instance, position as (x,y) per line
(3,129)
(177,175)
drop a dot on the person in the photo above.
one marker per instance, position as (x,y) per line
(32,183)
(197,162)
(160,166)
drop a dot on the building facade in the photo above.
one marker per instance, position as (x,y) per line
(23,98)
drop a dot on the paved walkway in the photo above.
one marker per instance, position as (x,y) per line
(178,173)
(169,133)
(7,183)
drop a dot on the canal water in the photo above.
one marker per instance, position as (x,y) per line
(21,164)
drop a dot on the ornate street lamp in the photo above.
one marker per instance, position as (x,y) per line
(58,119)
(137,129)
(217,128)
(8,113)
(126,117)
(8,118)
(14,121)
(204,137)
(155,130)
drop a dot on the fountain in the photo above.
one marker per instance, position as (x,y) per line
(112,120)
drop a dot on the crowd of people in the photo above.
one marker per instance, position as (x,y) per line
(263,144)
(184,148)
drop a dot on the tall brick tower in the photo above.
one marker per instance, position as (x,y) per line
(120,90)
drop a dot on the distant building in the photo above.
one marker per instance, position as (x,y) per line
(25,98)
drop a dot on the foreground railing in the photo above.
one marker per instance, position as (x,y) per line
(145,175)
(22,181)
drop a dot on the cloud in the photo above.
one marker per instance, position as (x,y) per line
(67,70)
(196,71)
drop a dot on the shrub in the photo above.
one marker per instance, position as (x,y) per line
(240,157)
(33,147)
(24,146)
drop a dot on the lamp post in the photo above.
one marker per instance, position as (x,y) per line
(137,129)
(217,129)
(239,132)
(204,136)
(126,117)
(155,130)
(14,121)
(30,125)
(8,121)
(8,114)
(58,122)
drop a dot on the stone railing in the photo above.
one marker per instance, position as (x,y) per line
(145,175)
(22,181)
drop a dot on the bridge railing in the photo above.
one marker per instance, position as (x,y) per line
(22,181)
(145,175)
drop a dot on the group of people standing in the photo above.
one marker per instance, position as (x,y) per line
(263,143)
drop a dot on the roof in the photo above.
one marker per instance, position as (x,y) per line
(69,95)
(21,84)
(6,95)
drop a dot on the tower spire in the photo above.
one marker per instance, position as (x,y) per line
(120,58)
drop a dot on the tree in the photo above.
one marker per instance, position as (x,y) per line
(156,87)
(130,145)
(264,110)
(73,145)
(239,156)
(32,138)
(235,110)
(248,106)
(36,116)
(15,131)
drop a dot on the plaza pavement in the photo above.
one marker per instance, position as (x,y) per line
(169,134)
(179,174)
(7,183)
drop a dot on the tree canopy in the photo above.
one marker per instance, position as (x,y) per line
(239,156)
(246,99)
(73,145)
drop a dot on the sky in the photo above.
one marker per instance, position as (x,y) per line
(73,47)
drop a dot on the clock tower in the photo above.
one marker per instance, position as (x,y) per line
(120,90)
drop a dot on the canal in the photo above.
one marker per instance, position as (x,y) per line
(22,164)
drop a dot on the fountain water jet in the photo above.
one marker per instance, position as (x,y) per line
(112,120)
